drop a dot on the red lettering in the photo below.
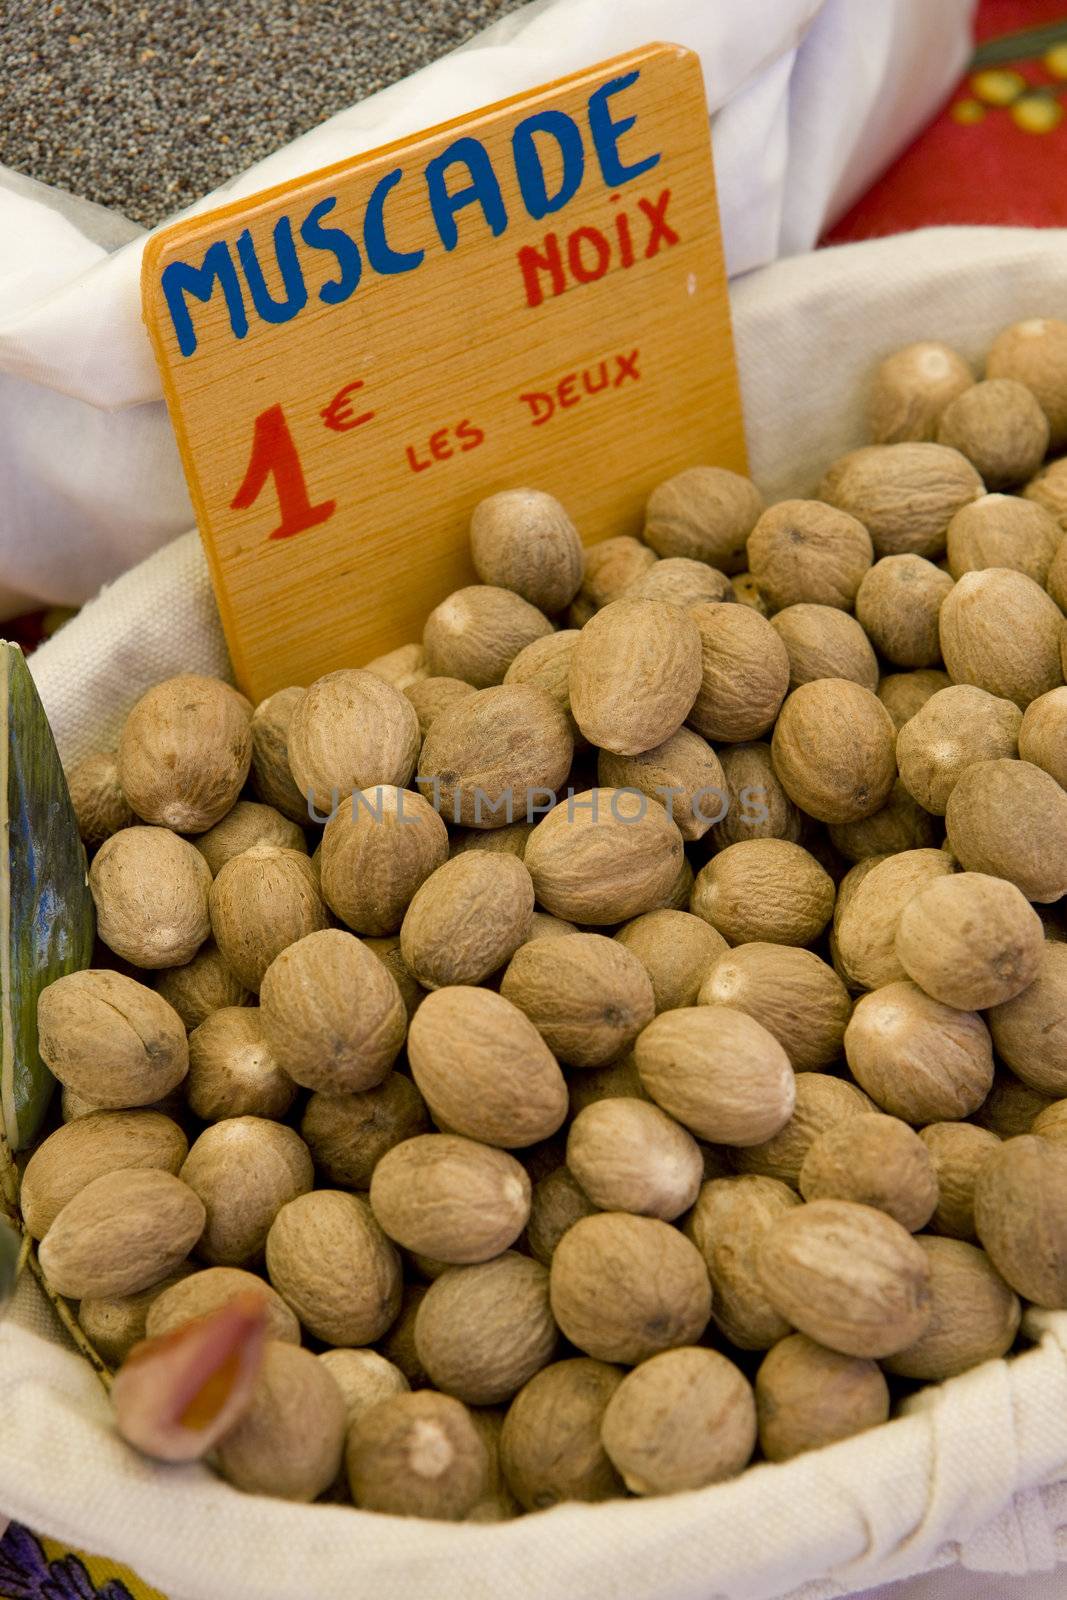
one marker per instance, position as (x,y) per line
(587,379)
(413,461)
(627,368)
(565,390)
(274,454)
(533,262)
(440,448)
(339,415)
(541,406)
(602,248)
(469,435)
(659,229)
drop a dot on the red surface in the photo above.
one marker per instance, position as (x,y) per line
(988,171)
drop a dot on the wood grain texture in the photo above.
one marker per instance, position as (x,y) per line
(444,354)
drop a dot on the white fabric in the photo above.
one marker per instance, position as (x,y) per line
(975,1477)
(809,100)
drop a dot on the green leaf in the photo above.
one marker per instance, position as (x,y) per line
(1024,45)
(46,910)
(9,1263)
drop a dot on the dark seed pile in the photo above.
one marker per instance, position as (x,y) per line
(145,108)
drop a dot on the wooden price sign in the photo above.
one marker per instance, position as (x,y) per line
(531,295)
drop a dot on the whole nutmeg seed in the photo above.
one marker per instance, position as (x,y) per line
(1001,632)
(401,667)
(431,696)
(114,1324)
(271,777)
(523,540)
(634,674)
(808,1396)
(331,1263)
(587,996)
(245,825)
(791,992)
(744,673)
(717,1072)
(1030,1030)
(1004,530)
(185,751)
(78,1152)
(497,757)
(204,985)
(824,642)
(1020,1198)
(1043,735)
(900,825)
(970,941)
(449,1198)
(1009,819)
(729,1219)
(100,806)
(482,1331)
(1011,1106)
(898,604)
(417,1455)
(111,1039)
(477,632)
(364,1378)
(975,1315)
(848,1276)
(558,1202)
(821,1101)
(244,1170)
(1001,429)
(876,1161)
(904,494)
(677,950)
(683,772)
(1048,488)
(683,582)
(918,1059)
(611,567)
(1034,353)
(767,890)
(290,1441)
(348,1134)
(332,1014)
(232,1072)
(911,389)
(123,1232)
(834,750)
(201,1293)
(261,902)
(870,901)
(484,1070)
(705,513)
(629,1156)
(757,807)
(624,1287)
(550,1446)
(804,552)
(905,693)
(958,1151)
(150,889)
(955,728)
(376,851)
(681,1420)
(604,856)
(467,919)
(351,730)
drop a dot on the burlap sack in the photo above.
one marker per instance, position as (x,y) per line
(975,1473)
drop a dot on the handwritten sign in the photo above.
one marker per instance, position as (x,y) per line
(531,295)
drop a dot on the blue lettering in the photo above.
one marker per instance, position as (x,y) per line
(606,133)
(483,190)
(334,290)
(529,169)
(296,295)
(382,257)
(179,279)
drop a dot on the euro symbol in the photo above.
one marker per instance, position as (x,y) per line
(339,415)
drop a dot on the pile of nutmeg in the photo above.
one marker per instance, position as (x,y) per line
(624,1032)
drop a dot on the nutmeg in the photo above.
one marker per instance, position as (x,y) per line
(876,1161)
(791,992)
(833,749)
(1034,353)
(244,1170)
(805,552)
(185,751)
(975,1315)
(677,950)
(352,730)
(271,777)
(450,1198)
(958,1151)
(348,1134)
(824,642)
(205,984)
(604,856)
(1009,819)
(870,900)
(821,1101)
(150,889)
(744,673)
(901,824)
(1001,429)
(232,1071)
(808,1396)
(905,693)
(954,728)
(611,566)
(200,1293)
(904,494)
(1001,632)
(497,757)
(523,540)
(289,1442)
(467,919)
(110,1039)
(764,889)
(558,1202)
(911,389)
(898,605)
(730,1217)
(756,805)
(629,1156)
(1004,530)
(717,1072)
(477,632)
(100,806)
(331,1263)
(417,1455)
(483,1331)
(401,667)
(587,996)
(1043,734)
(970,940)
(121,1233)
(1019,1200)
(1030,1030)
(705,513)
(918,1059)
(683,582)
(683,773)
(76,1153)
(261,902)
(550,1445)
(681,1420)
